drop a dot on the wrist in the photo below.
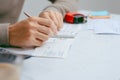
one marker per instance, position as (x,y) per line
(10,34)
(4,34)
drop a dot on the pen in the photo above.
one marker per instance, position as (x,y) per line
(27,14)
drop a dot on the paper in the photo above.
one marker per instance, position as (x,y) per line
(108,27)
(104,26)
(68,31)
(54,47)
(91,24)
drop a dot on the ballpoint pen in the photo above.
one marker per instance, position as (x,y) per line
(27,14)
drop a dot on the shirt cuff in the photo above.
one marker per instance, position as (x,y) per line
(4,34)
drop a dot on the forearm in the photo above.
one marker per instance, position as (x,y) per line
(4,34)
(64,6)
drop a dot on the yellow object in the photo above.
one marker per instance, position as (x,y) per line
(99,17)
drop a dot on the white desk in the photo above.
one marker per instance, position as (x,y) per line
(92,57)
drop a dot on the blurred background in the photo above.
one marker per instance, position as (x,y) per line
(110,5)
(33,7)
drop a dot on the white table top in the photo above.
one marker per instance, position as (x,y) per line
(92,57)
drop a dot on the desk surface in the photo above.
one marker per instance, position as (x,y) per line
(92,57)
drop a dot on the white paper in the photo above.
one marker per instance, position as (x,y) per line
(104,26)
(54,47)
(107,26)
(91,24)
(68,31)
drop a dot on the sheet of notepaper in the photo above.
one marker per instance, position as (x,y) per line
(68,31)
(54,47)
(108,27)
(104,26)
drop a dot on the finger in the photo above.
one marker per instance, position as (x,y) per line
(41,21)
(45,30)
(46,22)
(53,27)
(43,14)
(53,16)
(33,42)
(59,18)
(38,43)
(46,15)
(41,36)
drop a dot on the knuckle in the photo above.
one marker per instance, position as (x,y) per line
(50,22)
(26,26)
(29,33)
(48,30)
(27,29)
(29,24)
(32,19)
(38,43)
(47,21)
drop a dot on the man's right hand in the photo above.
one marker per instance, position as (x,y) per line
(31,32)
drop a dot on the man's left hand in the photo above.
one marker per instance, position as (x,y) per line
(54,16)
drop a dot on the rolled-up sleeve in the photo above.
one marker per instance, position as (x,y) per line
(64,6)
(4,34)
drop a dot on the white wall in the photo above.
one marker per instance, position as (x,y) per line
(110,5)
(33,7)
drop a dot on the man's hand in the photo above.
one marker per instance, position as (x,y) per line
(54,16)
(31,32)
